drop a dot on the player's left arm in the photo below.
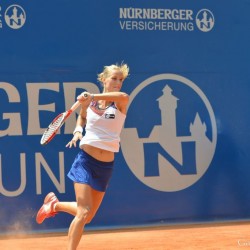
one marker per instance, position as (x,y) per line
(121,99)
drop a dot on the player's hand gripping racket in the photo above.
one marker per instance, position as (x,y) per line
(57,123)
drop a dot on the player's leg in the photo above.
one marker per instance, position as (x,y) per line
(97,198)
(52,206)
(69,207)
(86,208)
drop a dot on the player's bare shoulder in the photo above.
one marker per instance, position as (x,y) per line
(122,103)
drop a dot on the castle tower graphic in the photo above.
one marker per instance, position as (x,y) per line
(168,105)
(166,133)
(198,132)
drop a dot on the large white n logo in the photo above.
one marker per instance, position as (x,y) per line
(165,160)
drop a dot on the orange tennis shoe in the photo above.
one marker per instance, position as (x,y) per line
(47,209)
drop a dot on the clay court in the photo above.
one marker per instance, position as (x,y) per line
(189,237)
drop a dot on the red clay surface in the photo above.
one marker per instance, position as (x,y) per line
(188,237)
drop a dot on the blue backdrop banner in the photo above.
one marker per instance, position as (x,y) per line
(184,153)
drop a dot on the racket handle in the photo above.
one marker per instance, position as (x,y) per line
(75,106)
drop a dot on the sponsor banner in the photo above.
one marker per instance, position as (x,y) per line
(151,19)
(184,146)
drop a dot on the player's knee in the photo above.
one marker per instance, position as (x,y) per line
(83,214)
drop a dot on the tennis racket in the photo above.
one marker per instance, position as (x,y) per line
(57,123)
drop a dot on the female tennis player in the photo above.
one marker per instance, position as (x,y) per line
(103,116)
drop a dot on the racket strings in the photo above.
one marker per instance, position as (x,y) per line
(52,129)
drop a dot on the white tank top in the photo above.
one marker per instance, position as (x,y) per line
(103,127)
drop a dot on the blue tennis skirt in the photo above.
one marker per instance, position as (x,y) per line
(87,170)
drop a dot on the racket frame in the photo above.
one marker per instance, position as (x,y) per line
(66,114)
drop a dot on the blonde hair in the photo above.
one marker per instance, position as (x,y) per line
(107,70)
